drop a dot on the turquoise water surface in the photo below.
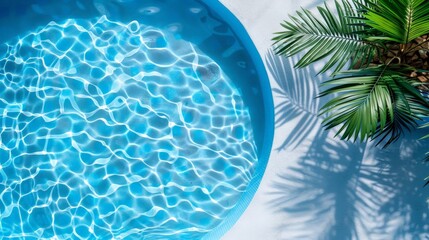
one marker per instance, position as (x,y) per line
(115,128)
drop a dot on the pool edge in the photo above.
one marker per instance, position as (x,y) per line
(268,136)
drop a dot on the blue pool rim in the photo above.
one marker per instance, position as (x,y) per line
(263,152)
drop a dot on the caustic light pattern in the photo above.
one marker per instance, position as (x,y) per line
(112,130)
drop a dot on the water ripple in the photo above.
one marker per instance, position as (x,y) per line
(113,130)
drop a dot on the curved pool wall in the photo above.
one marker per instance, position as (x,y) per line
(229,46)
(265,137)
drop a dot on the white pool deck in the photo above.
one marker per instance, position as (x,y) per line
(316,186)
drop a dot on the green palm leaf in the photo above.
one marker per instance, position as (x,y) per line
(400,20)
(376,102)
(409,106)
(336,36)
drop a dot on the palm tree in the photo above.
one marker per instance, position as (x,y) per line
(378,53)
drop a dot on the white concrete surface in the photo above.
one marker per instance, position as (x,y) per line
(318,187)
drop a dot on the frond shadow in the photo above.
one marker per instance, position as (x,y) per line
(405,211)
(316,193)
(342,190)
(297,91)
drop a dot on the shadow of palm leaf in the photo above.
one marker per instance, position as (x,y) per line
(342,190)
(405,211)
(297,91)
(321,192)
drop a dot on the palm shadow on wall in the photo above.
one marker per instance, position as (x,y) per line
(337,189)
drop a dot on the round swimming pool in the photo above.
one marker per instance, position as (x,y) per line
(126,119)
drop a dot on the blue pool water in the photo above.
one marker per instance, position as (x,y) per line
(119,126)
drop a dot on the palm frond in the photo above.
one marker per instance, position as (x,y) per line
(336,36)
(376,102)
(409,106)
(400,20)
